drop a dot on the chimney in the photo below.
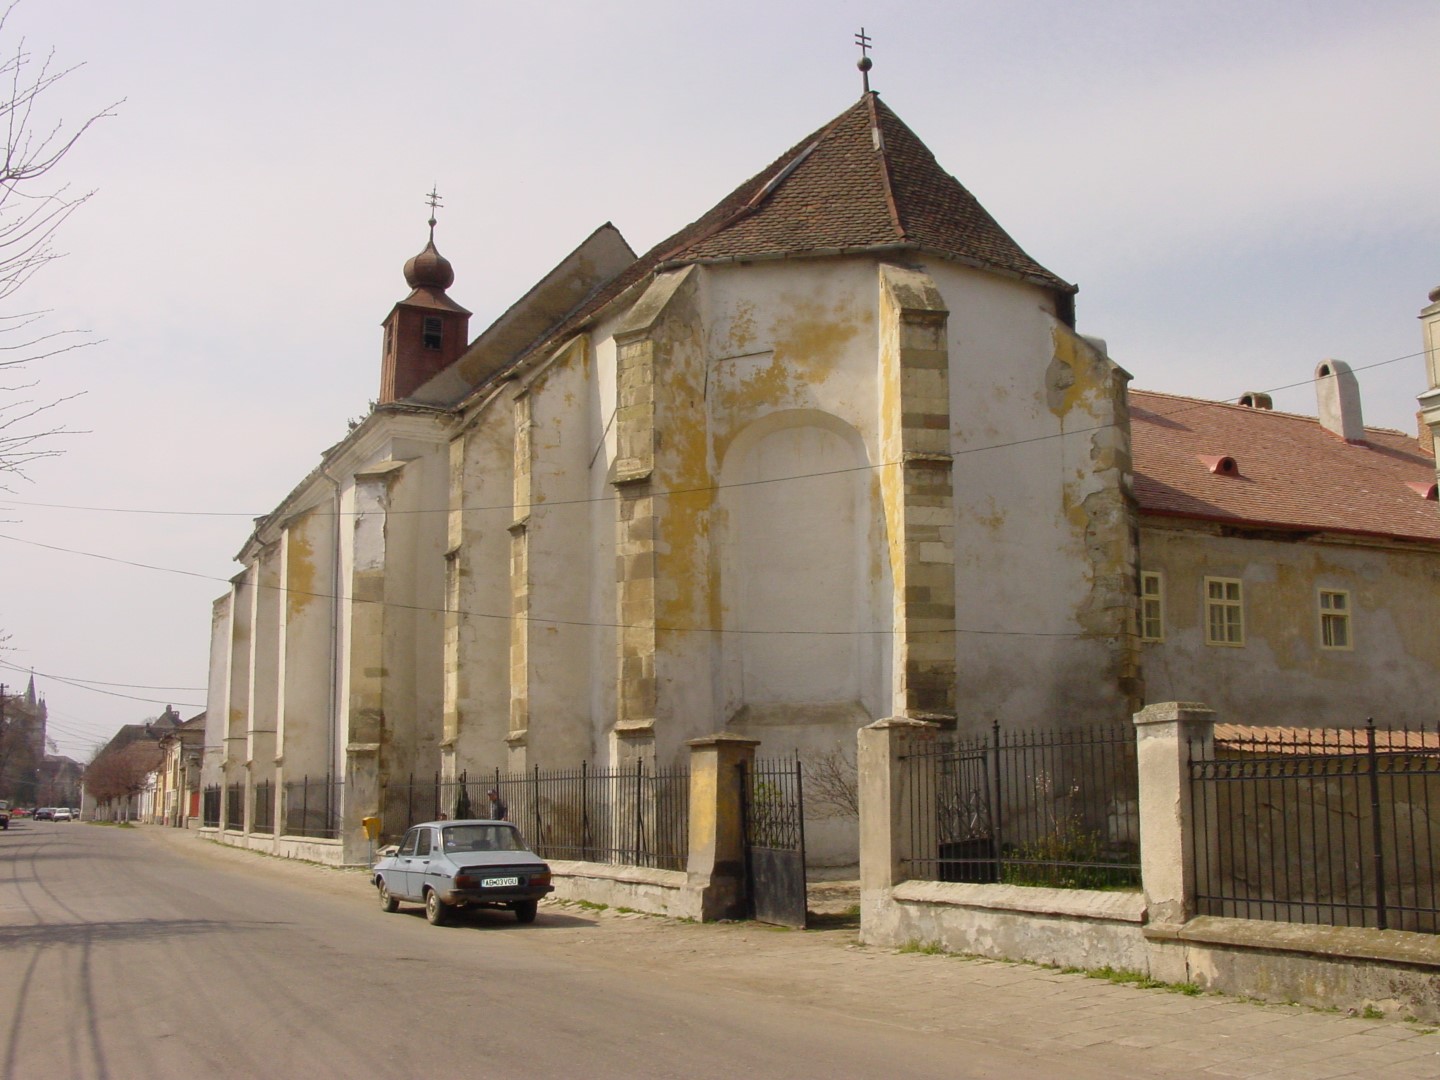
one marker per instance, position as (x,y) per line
(1430,329)
(1337,393)
(1430,399)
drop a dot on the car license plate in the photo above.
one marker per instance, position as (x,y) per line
(499,882)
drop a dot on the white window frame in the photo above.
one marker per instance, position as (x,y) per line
(1152,600)
(1333,615)
(1229,604)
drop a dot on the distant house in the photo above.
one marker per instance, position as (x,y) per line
(121,781)
(1289,566)
(834,451)
(177,780)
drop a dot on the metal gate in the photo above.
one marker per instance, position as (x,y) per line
(773,808)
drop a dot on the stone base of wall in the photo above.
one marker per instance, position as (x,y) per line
(1324,966)
(1065,927)
(655,892)
(309,848)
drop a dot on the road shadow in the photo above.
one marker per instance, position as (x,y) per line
(99,933)
(493,918)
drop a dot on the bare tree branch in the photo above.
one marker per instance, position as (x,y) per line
(31,211)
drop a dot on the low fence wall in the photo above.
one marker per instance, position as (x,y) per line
(1157,930)
(308,848)
(639,888)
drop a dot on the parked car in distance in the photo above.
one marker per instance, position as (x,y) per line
(447,865)
(62,813)
(4,814)
(44,813)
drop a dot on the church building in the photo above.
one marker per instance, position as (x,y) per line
(833,452)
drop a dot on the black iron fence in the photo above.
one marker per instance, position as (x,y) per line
(235,806)
(210,807)
(631,815)
(430,798)
(774,804)
(1331,826)
(1048,808)
(262,815)
(312,806)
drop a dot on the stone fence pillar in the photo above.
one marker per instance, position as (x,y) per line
(885,827)
(715,871)
(1163,735)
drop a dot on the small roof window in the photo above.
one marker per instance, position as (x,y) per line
(1424,490)
(1220,464)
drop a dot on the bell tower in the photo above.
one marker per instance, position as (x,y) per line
(427,331)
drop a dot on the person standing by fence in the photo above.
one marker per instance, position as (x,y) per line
(498,809)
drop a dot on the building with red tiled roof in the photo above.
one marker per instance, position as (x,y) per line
(1290,566)
(830,453)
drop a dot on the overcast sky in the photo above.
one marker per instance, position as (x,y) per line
(1239,189)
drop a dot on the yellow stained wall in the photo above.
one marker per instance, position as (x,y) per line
(1282,674)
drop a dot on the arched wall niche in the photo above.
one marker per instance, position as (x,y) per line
(801,580)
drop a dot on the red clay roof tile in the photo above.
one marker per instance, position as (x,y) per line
(1291,473)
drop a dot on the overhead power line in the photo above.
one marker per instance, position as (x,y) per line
(676,492)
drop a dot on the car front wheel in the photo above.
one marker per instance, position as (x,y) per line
(525,910)
(388,903)
(437,912)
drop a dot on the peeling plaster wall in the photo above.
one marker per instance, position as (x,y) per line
(559,671)
(237,708)
(601,556)
(309,553)
(1044,550)
(1282,675)
(414,589)
(790,399)
(479,533)
(266,641)
(217,692)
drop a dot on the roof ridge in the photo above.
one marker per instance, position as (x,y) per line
(882,151)
(778,172)
(1268,412)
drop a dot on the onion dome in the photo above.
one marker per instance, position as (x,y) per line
(429,268)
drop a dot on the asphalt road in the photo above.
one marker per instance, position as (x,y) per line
(126,954)
(150,953)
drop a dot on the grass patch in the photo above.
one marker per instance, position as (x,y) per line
(1370,1012)
(1121,977)
(922,948)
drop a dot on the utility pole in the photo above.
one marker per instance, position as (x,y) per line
(4,742)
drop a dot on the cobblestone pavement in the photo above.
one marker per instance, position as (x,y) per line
(1092,1024)
(1090,1021)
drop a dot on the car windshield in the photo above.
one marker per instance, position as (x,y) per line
(482,838)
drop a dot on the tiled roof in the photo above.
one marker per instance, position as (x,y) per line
(846,187)
(1333,742)
(1290,473)
(836,191)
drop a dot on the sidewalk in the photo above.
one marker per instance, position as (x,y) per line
(1091,1022)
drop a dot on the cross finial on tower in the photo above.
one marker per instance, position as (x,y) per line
(865,63)
(433,201)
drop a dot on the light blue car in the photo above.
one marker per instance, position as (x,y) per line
(447,865)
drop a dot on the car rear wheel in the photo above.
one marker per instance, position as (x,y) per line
(388,903)
(525,910)
(437,912)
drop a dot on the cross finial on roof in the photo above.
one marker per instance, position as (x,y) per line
(865,63)
(433,201)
